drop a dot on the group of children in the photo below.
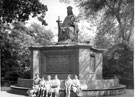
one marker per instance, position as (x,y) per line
(45,88)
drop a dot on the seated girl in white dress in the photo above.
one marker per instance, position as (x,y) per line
(48,86)
(42,86)
(68,84)
(56,86)
(76,86)
(36,81)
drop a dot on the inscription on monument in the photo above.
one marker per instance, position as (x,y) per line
(58,63)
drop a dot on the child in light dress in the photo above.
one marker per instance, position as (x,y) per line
(76,86)
(68,84)
(35,88)
(48,86)
(36,82)
(56,86)
(42,86)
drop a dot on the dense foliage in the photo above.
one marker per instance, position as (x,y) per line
(118,62)
(116,18)
(14,45)
(15,38)
(20,10)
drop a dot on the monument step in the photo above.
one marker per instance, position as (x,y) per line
(85,92)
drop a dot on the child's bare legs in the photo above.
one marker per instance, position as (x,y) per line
(39,92)
(43,92)
(50,93)
(67,92)
(46,93)
(56,92)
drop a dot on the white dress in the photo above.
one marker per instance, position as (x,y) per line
(68,83)
(48,85)
(76,85)
(42,84)
(56,85)
(36,84)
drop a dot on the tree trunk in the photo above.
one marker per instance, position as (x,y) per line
(121,29)
(131,28)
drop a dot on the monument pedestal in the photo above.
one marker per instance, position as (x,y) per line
(63,59)
(80,59)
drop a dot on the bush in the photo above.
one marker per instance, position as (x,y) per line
(11,76)
(118,61)
(25,74)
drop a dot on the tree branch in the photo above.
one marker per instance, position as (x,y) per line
(131,22)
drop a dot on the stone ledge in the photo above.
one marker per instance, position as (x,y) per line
(67,45)
(18,87)
(25,83)
(91,85)
(114,88)
(85,92)
(106,89)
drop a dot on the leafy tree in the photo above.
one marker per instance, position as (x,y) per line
(106,35)
(118,61)
(120,13)
(15,48)
(41,35)
(15,38)
(20,10)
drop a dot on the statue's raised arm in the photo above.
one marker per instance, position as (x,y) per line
(68,30)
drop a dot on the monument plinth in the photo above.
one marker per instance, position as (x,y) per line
(80,59)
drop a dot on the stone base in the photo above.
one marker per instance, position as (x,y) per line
(93,88)
(100,84)
(85,93)
(92,84)
(25,82)
(19,90)
(104,92)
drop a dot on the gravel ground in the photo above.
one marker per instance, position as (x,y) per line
(4,93)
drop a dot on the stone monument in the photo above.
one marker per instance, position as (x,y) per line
(70,57)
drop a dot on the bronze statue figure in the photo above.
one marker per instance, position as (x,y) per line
(68,30)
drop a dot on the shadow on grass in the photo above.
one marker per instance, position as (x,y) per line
(9,90)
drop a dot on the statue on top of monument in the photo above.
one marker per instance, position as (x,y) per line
(68,30)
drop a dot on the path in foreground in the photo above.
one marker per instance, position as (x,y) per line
(129,93)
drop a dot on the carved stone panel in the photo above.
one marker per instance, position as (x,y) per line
(58,63)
